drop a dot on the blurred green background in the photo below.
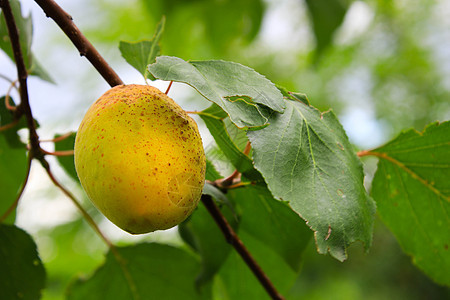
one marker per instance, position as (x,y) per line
(381,65)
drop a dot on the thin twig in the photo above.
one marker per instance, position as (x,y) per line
(85,214)
(64,21)
(6,78)
(59,153)
(8,98)
(35,151)
(9,125)
(19,195)
(58,139)
(232,238)
(91,222)
(85,47)
(230,180)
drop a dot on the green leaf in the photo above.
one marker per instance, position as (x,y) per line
(307,160)
(274,235)
(240,91)
(195,27)
(243,21)
(412,191)
(13,169)
(145,271)
(141,54)
(272,223)
(25,28)
(38,70)
(7,117)
(22,274)
(326,17)
(67,162)
(223,140)
(218,160)
(211,172)
(204,236)
(214,192)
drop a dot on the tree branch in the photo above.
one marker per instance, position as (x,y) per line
(232,238)
(85,47)
(22,75)
(64,21)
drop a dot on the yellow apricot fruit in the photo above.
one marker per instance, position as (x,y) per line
(140,159)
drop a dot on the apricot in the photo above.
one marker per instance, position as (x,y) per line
(140,159)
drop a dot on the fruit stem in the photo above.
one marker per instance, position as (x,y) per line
(233,239)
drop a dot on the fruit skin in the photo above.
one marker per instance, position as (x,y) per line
(140,159)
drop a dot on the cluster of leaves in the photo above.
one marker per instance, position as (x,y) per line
(302,179)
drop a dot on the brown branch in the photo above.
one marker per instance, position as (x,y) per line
(64,21)
(232,238)
(85,47)
(22,75)
(35,151)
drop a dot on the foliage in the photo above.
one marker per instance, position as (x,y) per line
(283,173)
(408,168)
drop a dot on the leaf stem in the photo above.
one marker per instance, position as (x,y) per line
(232,238)
(59,153)
(58,139)
(9,125)
(168,88)
(364,153)
(64,21)
(8,98)
(85,47)
(247,148)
